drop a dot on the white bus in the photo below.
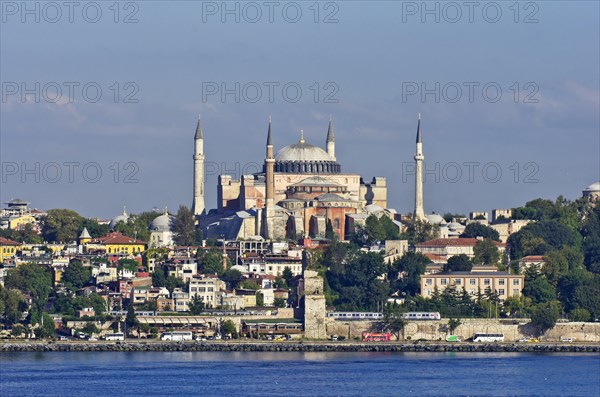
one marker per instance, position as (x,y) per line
(176,335)
(115,336)
(483,337)
(421,316)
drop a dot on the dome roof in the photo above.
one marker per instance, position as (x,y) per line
(302,152)
(162,223)
(123,217)
(435,219)
(594,187)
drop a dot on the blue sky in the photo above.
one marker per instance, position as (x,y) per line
(545,123)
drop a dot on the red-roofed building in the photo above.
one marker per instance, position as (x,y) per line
(531,260)
(118,244)
(439,250)
(8,248)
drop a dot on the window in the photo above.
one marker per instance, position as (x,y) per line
(501,291)
(457,281)
(515,281)
(515,291)
(428,281)
(428,292)
(443,281)
(501,281)
(486,281)
(472,281)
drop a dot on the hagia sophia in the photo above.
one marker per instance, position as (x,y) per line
(299,190)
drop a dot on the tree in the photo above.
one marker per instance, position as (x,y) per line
(420,231)
(33,278)
(90,328)
(580,314)
(131,320)
(279,302)
(76,275)
(184,229)
(405,273)
(544,315)
(17,330)
(453,324)
(459,263)
(211,262)
(329,234)
(233,277)
(94,228)
(196,306)
(158,278)
(476,229)
(486,253)
(539,290)
(260,299)
(287,275)
(228,328)
(393,321)
(173,282)
(61,225)
(373,230)
(12,305)
(46,329)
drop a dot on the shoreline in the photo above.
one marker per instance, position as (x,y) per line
(300,346)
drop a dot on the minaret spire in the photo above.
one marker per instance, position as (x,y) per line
(269,138)
(268,213)
(198,202)
(301,136)
(330,142)
(419,214)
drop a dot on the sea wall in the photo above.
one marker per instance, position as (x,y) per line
(437,330)
(234,346)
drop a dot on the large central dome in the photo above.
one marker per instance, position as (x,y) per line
(302,158)
(302,152)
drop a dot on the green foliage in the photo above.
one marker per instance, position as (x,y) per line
(458,263)
(33,278)
(449,216)
(90,328)
(393,321)
(375,229)
(128,264)
(17,330)
(486,253)
(539,289)
(411,266)
(540,237)
(173,282)
(477,229)
(12,305)
(94,228)
(580,314)
(260,299)
(137,225)
(211,262)
(453,324)
(329,234)
(158,277)
(233,278)
(287,275)
(76,275)
(249,284)
(279,302)
(184,228)
(68,304)
(196,306)
(420,231)
(61,225)
(580,289)
(26,235)
(544,315)
(131,320)
(46,330)
(357,285)
(228,327)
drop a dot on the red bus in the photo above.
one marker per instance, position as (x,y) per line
(373,337)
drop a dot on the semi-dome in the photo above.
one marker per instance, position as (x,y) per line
(436,219)
(162,223)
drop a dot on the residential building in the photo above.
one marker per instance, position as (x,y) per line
(531,260)
(474,282)
(8,249)
(206,287)
(442,249)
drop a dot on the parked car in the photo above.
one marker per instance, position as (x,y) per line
(566,340)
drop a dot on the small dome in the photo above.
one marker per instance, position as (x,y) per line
(162,223)
(455,226)
(594,187)
(436,219)
(302,152)
(123,217)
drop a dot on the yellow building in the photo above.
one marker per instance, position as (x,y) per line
(116,243)
(474,282)
(19,222)
(8,248)
(85,237)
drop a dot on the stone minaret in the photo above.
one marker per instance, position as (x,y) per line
(330,141)
(419,214)
(198,204)
(269,211)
